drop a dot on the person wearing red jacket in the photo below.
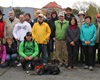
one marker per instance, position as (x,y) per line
(2,24)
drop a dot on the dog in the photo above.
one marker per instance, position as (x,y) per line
(49,69)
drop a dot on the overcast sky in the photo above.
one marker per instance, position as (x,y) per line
(39,3)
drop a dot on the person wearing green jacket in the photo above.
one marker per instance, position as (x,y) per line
(60,42)
(28,50)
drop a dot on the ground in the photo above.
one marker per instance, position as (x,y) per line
(80,74)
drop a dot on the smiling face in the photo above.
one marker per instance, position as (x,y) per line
(87,20)
(72,22)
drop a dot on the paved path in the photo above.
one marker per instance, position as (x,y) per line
(79,74)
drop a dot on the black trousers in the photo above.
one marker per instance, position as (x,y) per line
(72,54)
(89,55)
(98,50)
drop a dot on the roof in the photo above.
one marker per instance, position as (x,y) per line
(51,5)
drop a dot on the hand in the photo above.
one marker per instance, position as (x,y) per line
(27,58)
(72,43)
(88,42)
(30,58)
(2,62)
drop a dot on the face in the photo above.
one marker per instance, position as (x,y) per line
(54,15)
(48,16)
(40,19)
(98,19)
(1,16)
(72,22)
(37,14)
(27,18)
(68,12)
(28,38)
(9,41)
(81,16)
(21,18)
(87,20)
(61,18)
(11,14)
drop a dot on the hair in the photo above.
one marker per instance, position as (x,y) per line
(88,17)
(68,8)
(74,20)
(28,14)
(1,45)
(12,11)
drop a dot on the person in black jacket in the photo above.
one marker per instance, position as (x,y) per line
(51,23)
(72,36)
(11,50)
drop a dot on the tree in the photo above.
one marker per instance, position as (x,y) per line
(92,11)
(75,11)
(81,6)
(18,11)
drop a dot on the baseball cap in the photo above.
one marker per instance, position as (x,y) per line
(28,34)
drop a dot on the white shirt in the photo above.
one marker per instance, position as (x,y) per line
(21,29)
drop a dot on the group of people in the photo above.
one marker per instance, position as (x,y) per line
(61,34)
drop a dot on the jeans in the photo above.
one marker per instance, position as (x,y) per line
(11,58)
(43,50)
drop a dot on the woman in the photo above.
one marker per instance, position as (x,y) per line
(2,54)
(88,37)
(72,35)
(11,50)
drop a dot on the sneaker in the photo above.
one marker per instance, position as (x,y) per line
(74,67)
(19,64)
(90,68)
(60,65)
(86,67)
(69,68)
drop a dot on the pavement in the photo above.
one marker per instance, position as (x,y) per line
(17,73)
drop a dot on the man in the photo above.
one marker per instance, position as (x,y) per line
(28,19)
(2,24)
(60,43)
(37,14)
(97,42)
(10,23)
(41,33)
(28,50)
(21,28)
(68,14)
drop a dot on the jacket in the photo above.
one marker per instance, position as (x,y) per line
(68,18)
(51,23)
(2,24)
(12,49)
(72,35)
(41,32)
(29,49)
(3,55)
(9,26)
(20,30)
(60,30)
(88,33)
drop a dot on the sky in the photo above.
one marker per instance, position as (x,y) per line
(40,3)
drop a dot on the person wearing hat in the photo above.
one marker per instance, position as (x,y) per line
(11,51)
(41,34)
(81,21)
(97,42)
(28,50)
(2,24)
(81,16)
(60,42)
